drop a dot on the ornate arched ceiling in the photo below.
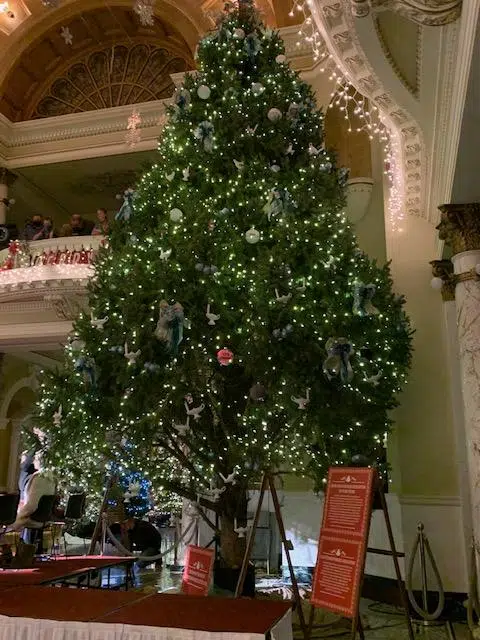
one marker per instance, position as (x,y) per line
(39,68)
(112,60)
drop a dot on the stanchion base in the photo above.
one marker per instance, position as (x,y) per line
(429,623)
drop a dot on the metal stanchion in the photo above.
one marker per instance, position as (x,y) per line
(473,604)
(428,619)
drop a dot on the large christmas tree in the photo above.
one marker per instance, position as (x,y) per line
(235,324)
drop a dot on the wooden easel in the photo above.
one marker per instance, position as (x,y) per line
(377,491)
(97,532)
(269,484)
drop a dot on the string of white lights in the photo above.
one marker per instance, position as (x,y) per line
(358,111)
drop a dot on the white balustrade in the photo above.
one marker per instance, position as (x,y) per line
(55,259)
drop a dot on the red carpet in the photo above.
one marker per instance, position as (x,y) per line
(56,568)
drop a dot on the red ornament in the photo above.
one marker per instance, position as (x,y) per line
(225,357)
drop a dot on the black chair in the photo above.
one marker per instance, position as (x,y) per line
(8,510)
(74,511)
(42,515)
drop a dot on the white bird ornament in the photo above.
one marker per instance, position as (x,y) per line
(375,380)
(57,416)
(165,255)
(97,323)
(182,429)
(211,317)
(282,299)
(230,479)
(240,531)
(131,356)
(302,402)
(239,164)
(194,411)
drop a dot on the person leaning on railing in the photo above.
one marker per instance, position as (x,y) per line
(102,226)
(46,232)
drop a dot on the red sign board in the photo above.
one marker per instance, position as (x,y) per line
(198,571)
(343,540)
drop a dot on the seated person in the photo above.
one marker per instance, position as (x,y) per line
(40,483)
(80,226)
(139,534)
(101,227)
(33,227)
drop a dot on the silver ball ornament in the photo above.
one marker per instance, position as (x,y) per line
(239,33)
(281,58)
(252,236)
(257,88)
(176,215)
(203,92)
(274,115)
(436,283)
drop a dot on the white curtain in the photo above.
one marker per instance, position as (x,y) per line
(29,629)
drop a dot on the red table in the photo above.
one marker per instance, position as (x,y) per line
(203,614)
(80,605)
(59,569)
(83,613)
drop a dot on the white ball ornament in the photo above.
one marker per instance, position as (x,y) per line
(239,33)
(274,115)
(176,215)
(281,58)
(257,88)
(436,283)
(252,236)
(477,269)
(203,92)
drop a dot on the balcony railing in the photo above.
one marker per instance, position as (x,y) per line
(36,263)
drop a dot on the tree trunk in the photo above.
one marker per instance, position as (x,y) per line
(234,508)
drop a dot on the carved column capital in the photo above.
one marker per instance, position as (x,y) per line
(460,226)
(443,269)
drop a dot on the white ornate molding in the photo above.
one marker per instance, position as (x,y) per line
(427,13)
(335,23)
(458,42)
(78,135)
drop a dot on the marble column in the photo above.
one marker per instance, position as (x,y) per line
(460,229)
(443,269)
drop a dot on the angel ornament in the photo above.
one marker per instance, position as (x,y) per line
(170,324)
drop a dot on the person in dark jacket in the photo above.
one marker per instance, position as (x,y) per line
(141,536)
(80,226)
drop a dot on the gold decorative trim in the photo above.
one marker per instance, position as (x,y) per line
(459,226)
(444,269)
